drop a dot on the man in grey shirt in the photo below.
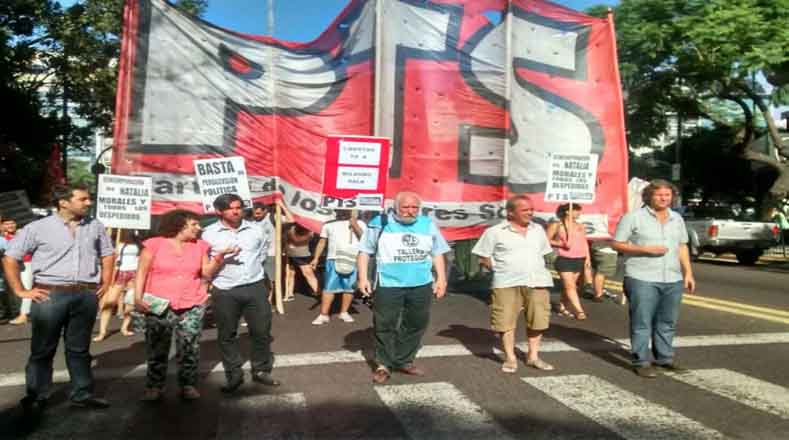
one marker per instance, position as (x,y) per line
(657,269)
(72,265)
(238,289)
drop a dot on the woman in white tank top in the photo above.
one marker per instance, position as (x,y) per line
(126,256)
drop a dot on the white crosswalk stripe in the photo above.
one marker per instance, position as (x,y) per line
(432,351)
(619,410)
(439,411)
(262,417)
(758,394)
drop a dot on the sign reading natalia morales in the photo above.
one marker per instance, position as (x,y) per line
(124,201)
(355,169)
(572,178)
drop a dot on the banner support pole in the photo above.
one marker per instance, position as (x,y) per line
(279,305)
(378,66)
(508,73)
(278,260)
(119,307)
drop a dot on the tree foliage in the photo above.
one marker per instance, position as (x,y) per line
(677,55)
(52,58)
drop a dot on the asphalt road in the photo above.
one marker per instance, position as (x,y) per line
(734,336)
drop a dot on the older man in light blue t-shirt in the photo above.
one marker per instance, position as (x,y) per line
(407,247)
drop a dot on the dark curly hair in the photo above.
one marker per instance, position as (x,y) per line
(172,222)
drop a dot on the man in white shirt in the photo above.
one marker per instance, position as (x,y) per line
(514,250)
(238,290)
(339,275)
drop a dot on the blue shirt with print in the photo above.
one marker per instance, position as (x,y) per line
(404,257)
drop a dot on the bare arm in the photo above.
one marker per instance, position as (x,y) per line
(107,274)
(11,268)
(354,223)
(210,266)
(633,249)
(362,262)
(687,271)
(486,263)
(143,267)
(440,285)
(318,251)
(286,213)
(552,232)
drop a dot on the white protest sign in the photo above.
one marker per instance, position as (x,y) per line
(124,201)
(572,178)
(357,178)
(370,202)
(219,176)
(359,153)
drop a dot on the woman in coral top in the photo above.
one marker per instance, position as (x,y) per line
(568,237)
(172,267)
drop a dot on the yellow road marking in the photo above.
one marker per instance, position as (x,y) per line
(741,312)
(721,305)
(724,303)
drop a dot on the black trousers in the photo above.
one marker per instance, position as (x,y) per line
(251,302)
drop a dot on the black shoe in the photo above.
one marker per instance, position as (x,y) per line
(32,407)
(646,372)
(672,368)
(265,378)
(91,403)
(233,382)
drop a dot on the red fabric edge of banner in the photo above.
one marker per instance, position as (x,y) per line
(123,93)
(622,133)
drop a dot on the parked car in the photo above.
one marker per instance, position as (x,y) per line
(729,228)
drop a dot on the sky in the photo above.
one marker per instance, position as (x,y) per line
(301,20)
(298,20)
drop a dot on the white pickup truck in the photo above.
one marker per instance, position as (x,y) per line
(723,229)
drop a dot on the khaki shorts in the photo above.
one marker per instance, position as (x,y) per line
(603,262)
(507,302)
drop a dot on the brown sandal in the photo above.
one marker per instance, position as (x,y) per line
(562,311)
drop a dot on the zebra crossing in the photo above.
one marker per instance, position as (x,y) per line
(479,404)
(436,410)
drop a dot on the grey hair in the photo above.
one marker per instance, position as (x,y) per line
(510,205)
(398,198)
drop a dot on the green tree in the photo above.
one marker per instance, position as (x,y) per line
(53,58)
(676,55)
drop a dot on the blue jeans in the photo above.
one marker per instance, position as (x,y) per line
(71,314)
(654,310)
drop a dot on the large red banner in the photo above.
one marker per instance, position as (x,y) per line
(474,94)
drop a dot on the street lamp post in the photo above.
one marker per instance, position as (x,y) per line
(98,168)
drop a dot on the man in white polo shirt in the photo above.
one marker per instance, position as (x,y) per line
(514,250)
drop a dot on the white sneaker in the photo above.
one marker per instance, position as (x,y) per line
(345,317)
(320,320)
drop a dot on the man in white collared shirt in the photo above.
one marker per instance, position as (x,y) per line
(238,289)
(514,250)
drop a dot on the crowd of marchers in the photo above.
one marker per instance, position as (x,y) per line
(62,273)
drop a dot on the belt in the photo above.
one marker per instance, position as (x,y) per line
(67,287)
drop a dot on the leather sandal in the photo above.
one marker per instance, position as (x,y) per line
(509,367)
